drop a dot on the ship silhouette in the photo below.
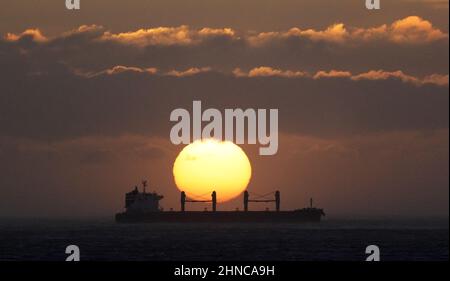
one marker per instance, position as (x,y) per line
(143,207)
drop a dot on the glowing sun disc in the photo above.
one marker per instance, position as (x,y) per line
(211,165)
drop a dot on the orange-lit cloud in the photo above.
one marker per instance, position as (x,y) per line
(35,34)
(264,71)
(437,79)
(207,32)
(152,36)
(120,69)
(334,33)
(166,36)
(410,30)
(84,29)
(332,74)
(415,30)
(188,72)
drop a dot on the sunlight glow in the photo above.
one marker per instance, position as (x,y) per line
(207,165)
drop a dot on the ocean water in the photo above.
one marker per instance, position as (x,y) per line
(333,240)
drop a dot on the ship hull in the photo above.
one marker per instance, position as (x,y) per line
(220,217)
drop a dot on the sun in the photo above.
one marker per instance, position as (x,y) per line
(211,165)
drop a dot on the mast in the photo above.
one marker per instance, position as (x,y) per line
(277,200)
(214,200)
(183,200)
(144,185)
(246,196)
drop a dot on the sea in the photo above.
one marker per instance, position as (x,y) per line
(330,240)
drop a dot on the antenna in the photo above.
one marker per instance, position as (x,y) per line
(144,184)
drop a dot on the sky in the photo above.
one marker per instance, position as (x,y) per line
(85,100)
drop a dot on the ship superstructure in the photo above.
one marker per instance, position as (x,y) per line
(142,202)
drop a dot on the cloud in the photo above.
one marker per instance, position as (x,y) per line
(336,33)
(117,70)
(211,32)
(332,74)
(415,30)
(410,30)
(84,29)
(166,36)
(188,72)
(81,84)
(411,44)
(78,173)
(61,104)
(152,36)
(362,167)
(366,168)
(91,149)
(121,69)
(265,71)
(33,34)
(437,79)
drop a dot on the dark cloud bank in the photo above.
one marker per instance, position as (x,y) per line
(63,105)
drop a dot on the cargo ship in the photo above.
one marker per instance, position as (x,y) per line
(143,207)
